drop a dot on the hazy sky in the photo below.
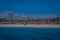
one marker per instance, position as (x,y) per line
(44,7)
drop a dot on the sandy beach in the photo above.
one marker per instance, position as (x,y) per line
(30,25)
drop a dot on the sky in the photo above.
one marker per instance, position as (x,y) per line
(33,7)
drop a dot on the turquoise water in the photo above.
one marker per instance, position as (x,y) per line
(26,33)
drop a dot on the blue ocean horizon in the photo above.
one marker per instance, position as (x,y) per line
(28,33)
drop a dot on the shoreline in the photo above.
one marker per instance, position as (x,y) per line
(30,25)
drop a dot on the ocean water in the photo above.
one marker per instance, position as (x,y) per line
(26,33)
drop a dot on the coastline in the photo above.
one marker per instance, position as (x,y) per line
(30,25)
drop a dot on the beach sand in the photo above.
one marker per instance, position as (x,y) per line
(30,25)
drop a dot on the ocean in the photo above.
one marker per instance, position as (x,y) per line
(29,33)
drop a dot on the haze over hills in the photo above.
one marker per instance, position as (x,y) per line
(34,16)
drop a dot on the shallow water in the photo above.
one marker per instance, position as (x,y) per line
(26,33)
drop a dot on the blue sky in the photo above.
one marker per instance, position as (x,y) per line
(40,7)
